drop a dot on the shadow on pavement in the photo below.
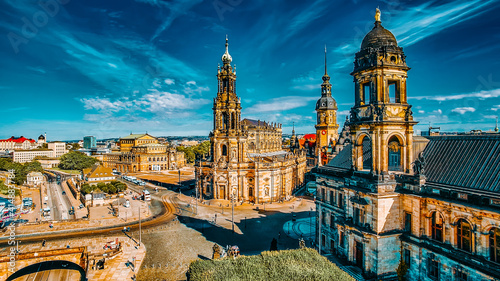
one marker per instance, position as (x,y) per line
(257,232)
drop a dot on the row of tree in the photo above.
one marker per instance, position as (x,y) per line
(110,188)
(20,170)
(195,152)
(75,160)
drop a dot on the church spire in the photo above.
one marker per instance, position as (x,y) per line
(226,57)
(326,73)
(326,87)
(496,125)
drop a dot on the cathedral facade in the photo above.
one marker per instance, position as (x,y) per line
(389,201)
(246,162)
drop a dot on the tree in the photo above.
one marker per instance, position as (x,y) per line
(75,146)
(195,152)
(75,160)
(87,188)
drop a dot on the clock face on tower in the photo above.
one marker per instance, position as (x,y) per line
(323,132)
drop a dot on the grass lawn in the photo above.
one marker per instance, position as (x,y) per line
(73,172)
(302,264)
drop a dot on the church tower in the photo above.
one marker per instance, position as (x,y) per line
(381,121)
(227,114)
(326,124)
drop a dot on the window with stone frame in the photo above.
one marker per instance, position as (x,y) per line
(407,222)
(460,274)
(495,244)
(359,216)
(407,257)
(432,267)
(464,235)
(437,227)
(332,197)
(341,200)
(332,220)
(323,195)
(341,239)
(323,218)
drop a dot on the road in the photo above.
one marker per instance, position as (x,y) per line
(166,214)
(59,204)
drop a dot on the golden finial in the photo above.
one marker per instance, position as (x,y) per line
(377,14)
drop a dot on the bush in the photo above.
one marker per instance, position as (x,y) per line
(302,264)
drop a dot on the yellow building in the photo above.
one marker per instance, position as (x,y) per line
(389,197)
(142,152)
(246,161)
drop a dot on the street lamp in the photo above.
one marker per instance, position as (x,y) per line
(232,210)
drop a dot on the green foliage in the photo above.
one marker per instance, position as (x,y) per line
(20,170)
(75,146)
(75,160)
(302,264)
(193,152)
(402,270)
(110,188)
(87,188)
(4,189)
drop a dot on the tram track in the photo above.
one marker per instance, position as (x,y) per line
(167,214)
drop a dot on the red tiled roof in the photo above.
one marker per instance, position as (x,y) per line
(20,139)
(309,137)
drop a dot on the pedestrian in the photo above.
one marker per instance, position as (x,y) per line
(43,243)
(215,218)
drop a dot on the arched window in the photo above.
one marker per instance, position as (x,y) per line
(224,121)
(224,150)
(437,227)
(367,153)
(233,121)
(394,150)
(495,245)
(464,235)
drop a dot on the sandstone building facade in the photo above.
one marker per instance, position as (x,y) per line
(389,197)
(141,153)
(246,160)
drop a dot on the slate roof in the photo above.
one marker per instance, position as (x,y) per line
(343,160)
(256,123)
(466,161)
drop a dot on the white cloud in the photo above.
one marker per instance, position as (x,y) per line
(463,110)
(169,81)
(281,104)
(496,107)
(484,94)
(306,83)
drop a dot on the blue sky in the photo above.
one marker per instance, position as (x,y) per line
(107,68)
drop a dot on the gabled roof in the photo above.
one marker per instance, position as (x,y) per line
(20,139)
(97,171)
(467,161)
